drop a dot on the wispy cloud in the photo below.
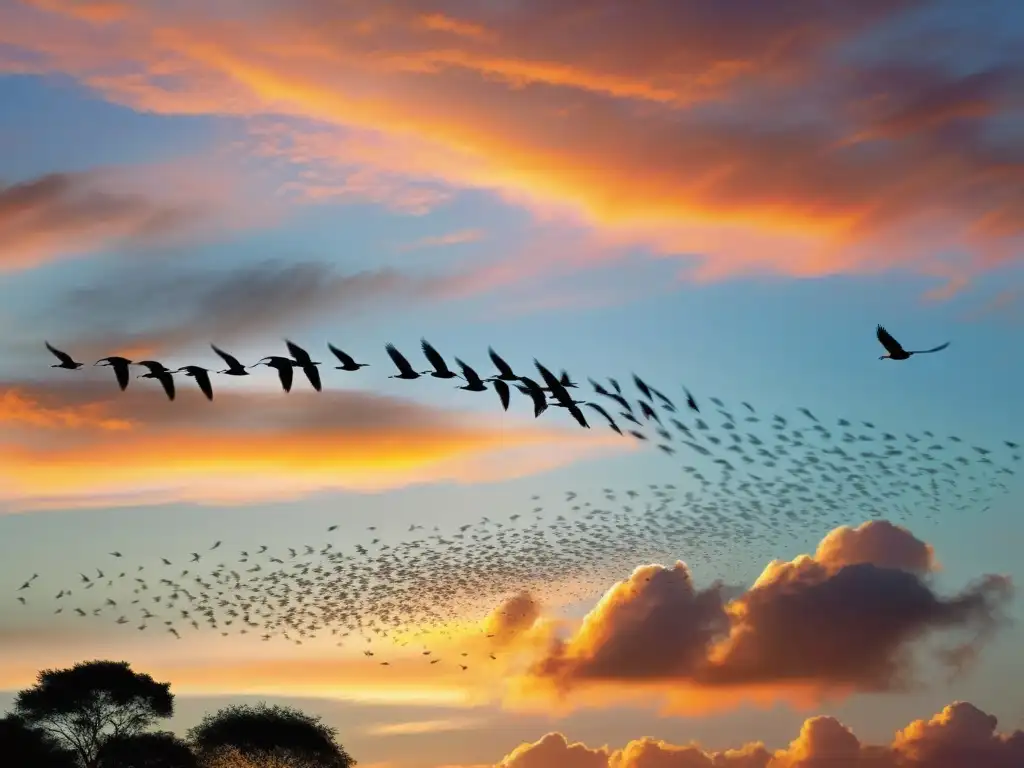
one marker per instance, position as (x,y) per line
(416,727)
(703,128)
(135,447)
(63,215)
(449,238)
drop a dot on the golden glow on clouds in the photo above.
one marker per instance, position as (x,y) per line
(134,446)
(484,100)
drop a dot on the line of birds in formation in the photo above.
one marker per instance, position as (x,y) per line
(553,392)
(755,483)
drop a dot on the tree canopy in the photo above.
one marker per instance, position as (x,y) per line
(160,749)
(93,701)
(21,745)
(275,735)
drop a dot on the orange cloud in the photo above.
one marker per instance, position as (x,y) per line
(137,447)
(846,619)
(960,735)
(692,127)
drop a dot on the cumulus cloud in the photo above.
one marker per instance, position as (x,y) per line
(847,618)
(136,447)
(960,735)
(726,131)
(516,615)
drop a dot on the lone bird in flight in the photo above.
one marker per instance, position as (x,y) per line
(66,361)
(897,352)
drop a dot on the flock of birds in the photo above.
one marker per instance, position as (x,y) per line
(551,390)
(555,389)
(751,480)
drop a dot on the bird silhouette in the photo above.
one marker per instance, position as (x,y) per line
(603,412)
(347,363)
(306,363)
(561,394)
(896,351)
(283,366)
(120,366)
(66,361)
(473,381)
(505,372)
(530,387)
(161,373)
(234,368)
(441,369)
(202,377)
(405,370)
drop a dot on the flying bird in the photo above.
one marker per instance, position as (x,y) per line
(202,377)
(120,366)
(161,373)
(473,381)
(441,369)
(66,361)
(347,362)
(306,363)
(530,387)
(405,370)
(283,366)
(505,372)
(234,368)
(897,352)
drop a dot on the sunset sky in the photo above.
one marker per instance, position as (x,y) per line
(723,195)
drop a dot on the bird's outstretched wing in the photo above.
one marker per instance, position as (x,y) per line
(472,377)
(314,376)
(933,349)
(203,380)
(121,372)
(531,388)
(501,388)
(231,360)
(64,357)
(286,374)
(504,369)
(603,412)
(168,384)
(433,356)
(297,352)
(397,358)
(885,338)
(344,359)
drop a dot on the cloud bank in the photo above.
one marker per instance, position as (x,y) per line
(960,735)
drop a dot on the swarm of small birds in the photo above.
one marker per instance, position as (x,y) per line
(748,482)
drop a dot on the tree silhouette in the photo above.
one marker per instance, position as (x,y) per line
(21,745)
(146,750)
(91,702)
(281,737)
